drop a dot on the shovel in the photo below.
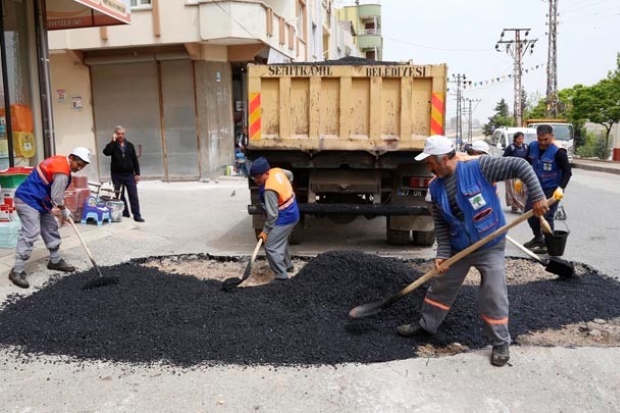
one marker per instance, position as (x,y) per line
(365,310)
(555,265)
(98,282)
(230,283)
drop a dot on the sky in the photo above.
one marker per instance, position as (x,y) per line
(463,34)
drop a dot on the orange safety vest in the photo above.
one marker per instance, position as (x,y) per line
(36,190)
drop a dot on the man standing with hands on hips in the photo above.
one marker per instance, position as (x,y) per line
(125,171)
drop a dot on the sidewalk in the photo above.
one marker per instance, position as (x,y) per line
(90,232)
(596,165)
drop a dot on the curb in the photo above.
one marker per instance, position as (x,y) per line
(597,168)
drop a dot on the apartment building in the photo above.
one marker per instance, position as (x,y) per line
(175,76)
(365,17)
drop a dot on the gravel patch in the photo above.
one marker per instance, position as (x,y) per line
(155,317)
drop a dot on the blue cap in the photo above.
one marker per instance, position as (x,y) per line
(259,166)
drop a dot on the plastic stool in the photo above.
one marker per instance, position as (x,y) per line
(98,212)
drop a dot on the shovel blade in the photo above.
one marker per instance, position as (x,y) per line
(229,284)
(560,267)
(101,282)
(366,310)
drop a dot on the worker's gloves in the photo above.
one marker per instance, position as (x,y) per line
(558,194)
(66,214)
(263,236)
(518,185)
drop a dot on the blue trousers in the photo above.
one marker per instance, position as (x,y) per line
(128,181)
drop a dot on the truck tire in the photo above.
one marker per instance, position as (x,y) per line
(423,238)
(398,237)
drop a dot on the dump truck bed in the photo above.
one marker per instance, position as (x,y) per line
(372,108)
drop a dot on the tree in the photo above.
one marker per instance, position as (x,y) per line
(501,118)
(599,103)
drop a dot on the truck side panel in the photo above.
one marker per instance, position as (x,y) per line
(369,108)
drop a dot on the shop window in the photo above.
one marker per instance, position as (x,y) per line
(140,3)
(20,89)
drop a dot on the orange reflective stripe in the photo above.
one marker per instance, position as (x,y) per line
(436,304)
(494,321)
(287,203)
(42,175)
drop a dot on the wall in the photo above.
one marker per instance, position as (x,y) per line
(73,126)
(215,123)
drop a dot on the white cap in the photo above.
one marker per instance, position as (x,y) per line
(480,146)
(82,153)
(435,145)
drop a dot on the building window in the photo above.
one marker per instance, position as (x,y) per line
(140,3)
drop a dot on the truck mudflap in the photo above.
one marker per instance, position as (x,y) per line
(370,210)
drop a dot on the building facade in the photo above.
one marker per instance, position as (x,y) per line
(175,77)
(365,18)
(26,121)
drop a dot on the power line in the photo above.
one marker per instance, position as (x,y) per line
(436,48)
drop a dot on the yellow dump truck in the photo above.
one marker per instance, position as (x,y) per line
(349,132)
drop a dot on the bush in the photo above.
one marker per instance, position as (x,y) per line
(592,145)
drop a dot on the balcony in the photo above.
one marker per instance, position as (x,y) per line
(369,11)
(370,39)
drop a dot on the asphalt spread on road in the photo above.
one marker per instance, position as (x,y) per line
(157,317)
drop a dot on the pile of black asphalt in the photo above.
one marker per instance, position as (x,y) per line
(155,317)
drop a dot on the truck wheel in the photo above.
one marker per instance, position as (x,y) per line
(423,238)
(398,237)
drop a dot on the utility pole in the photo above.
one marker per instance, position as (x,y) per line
(552,61)
(461,82)
(517,47)
(469,112)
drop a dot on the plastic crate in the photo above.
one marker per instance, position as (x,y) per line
(12,177)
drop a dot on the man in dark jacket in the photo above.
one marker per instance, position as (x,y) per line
(125,170)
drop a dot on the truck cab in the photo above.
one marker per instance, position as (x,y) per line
(563,132)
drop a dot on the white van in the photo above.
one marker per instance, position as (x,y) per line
(502,137)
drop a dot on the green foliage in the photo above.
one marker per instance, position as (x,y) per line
(593,146)
(501,118)
(599,103)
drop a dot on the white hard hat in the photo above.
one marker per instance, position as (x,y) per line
(82,153)
(435,145)
(480,146)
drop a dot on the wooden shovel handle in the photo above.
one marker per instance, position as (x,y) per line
(432,273)
(255,253)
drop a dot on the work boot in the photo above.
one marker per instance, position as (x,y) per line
(500,355)
(535,242)
(60,266)
(540,250)
(278,280)
(412,330)
(19,278)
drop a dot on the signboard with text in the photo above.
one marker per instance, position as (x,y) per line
(71,14)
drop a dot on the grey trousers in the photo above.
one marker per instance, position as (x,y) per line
(492,296)
(35,223)
(277,250)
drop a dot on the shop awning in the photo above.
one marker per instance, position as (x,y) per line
(71,14)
